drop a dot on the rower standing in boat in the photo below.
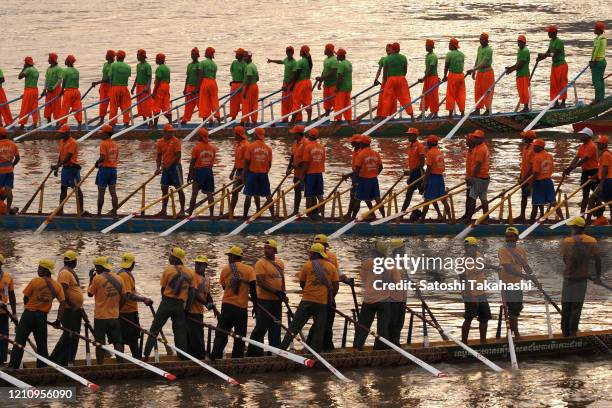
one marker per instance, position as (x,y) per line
(297,149)
(129,309)
(598,62)
(478,180)
(29,102)
(37,299)
(250,93)
(67,346)
(202,298)
(433,182)
(238,281)
(53,89)
(542,187)
(209,91)
(287,98)
(119,74)
(397,297)
(177,284)
(142,85)
(603,191)
(329,78)
(368,165)
(191,86)
(483,73)
(7,297)
(344,86)
(257,164)
(105,86)
(301,86)
(161,91)
(469,143)
(313,165)
(577,250)
(474,298)
(6,117)
(380,107)
(169,165)
(526,170)
(203,157)
(270,275)
(9,157)
(107,169)
(430,79)
(416,162)
(355,142)
(71,95)
(453,73)
(522,72)
(396,88)
(319,283)
(237,72)
(240,146)
(68,160)
(588,160)
(558,69)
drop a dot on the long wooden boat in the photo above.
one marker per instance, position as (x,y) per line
(498,123)
(528,347)
(216,226)
(601,123)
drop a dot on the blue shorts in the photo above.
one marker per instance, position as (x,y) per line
(107,176)
(313,184)
(205,179)
(173,176)
(435,187)
(606,192)
(257,184)
(70,176)
(367,189)
(543,192)
(7,180)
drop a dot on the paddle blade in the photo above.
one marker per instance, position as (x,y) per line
(238,229)
(118,223)
(529,230)
(41,227)
(282,224)
(93,387)
(169,376)
(175,227)
(342,230)
(563,222)
(310,363)
(465,232)
(388,218)
(233,382)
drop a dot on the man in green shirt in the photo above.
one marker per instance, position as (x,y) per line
(72,95)
(53,89)
(453,74)
(29,102)
(209,91)
(522,72)
(300,85)
(598,62)
(483,73)
(344,86)
(396,88)
(105,86)
(380,109)
(250,91)
(289,63)
(191,89)
(119,74)
(161,91)
(559,69)
(237,71)
(430,80)
(328,78)
(142,84)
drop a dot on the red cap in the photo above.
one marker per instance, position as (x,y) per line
(196,51)
(168,128)
(455,42)
(203,133)
(239,51)
(551,28)
(413,131)
(260,133)
(329,47)
(356,138)
(485,35)
(522,38)
(289,48)
(70,59)
(539,142)
(365,139)
(64,129)
(600,25)
(341,51)
(239,130)
(470,136)
(297,129)
(210,51)
(314,132)
(141,52)
(430,43)
(106,128)
(3,131)
(478,133)
(120,54)
(29,60)
(603,139)
(432,139)
(161,57)
(305,49)
(530,134)
(53,56)
(110,54)
(395,46)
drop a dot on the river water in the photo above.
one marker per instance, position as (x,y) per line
(88,28)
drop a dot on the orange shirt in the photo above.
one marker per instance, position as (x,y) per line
(239,150)
(272,277)
(110,150)
(169,279)
(605,161)
(369,162)
(469,162)
(526,156)
(480,154)
(434,159)
(74,294)
(314,156)
(129,284)
(314,290)
(107,297)
(588,150)
(259,155)
(69,146)
(40,296)
(8,152)
(513,262)
(203,288)
(354,154)
(204,155)
(168,149)
(298,154)
(543,164)
(247,275)
(7,284)
(416,149)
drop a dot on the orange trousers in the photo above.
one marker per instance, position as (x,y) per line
(455,91)
(431,101)
(329,91)
(396,89)
(120,99)
(522,85)
(302,94)
(192,101)
(54,109)
(161,100)
(72,102)
(287,103)
(29,103)
(483,81)
(104,93)
(236,100)
(342,100)
(209,98)
(6,118)
(144,107)
(249,103)
(558,81)
(380,107)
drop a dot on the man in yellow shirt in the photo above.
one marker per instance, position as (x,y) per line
(202,298)
(7,296)
(598,62)
(238,281)
(37,298)
(270,275)
(319,282)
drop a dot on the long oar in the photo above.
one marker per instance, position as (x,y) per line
(325,118)
(87,91)
(431,369)
(50,217)
(133,193)
(33,110)
(511,349)
(552,103)
(31,200)
(467,115)
(15,322)
(11,101)
(518,104)
(227,98)
(543,218)
(51,364)
(14,381)
(564,222)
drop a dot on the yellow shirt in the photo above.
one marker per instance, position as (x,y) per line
(247,275)
(577,257)
(168,279)
(203,288)
(40,296)
(74,294)
(508,260)
(314,290)
(272,277)
(107,297)
(6,285)
(129,284)
(599,48)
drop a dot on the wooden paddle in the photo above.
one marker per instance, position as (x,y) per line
(511,349)
(133,193)
(40,187)
(572,218)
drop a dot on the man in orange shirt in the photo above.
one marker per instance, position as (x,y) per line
(257,164)
(238,281)
(107,169)
(433,182)
(169,165)
(240,147)
(368,165)
(297,151)
(270,276)
(202,298)
(9,157)
(526,162)
(355,142)
(7,296)
(478,179)
(542,187)
(313,167)
(37,298)
(603,191)
(68,160)
(201,165)
(588,160)
(416,162)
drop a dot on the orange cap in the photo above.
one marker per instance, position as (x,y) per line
(551,28)
(356,138)
(53,56)
(260,133)
(600,25)
(341,51)
(478,133)
(432,139)
(455,42)
(3,131)
(305,49)
(106,128)
(530,134)
(196,51)
(240,131)
(430,43)
(168,128)
(239,51)
(70,59)
(297,129)
(413,131)
(110,54)
(29,60)
(603,139)
(395,46)
(329,47)
(64,129)
(485,35)
(161,57)
(141,52)
(120,54)
(314,132)
(210,51)
(203,133)
(365,139)
(522,38)
(539,142)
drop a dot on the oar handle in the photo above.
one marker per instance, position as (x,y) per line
(40,187)
(133,193)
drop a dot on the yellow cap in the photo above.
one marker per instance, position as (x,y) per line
(271,243)
(235,250)
(202,259)
(381,247)
(321,238)
(512,230)
(470,241)
(179,253)
(318,249)
(577,222)
(70,255)
(127,260)
(48,264)
(103,262)
(2,259)
(397,243)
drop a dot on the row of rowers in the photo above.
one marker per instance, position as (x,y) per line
(201,89)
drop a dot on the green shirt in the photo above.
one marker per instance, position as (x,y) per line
(31,77)
(208,68)
(237,70)
(105,70)
(455,60)
(1,76)
(381,61)
(484,55)
(144,72)
(431,64)
(71,75)
(556,44)
(250,70)
(396,65)
(162,73)
(119,73)
(599,48)
(523,56)
(53,77)
(289,68)
(304,67)
(345,68)
(192,73)
(329,64)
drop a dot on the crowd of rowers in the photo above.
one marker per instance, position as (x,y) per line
(186,293)
(62,95)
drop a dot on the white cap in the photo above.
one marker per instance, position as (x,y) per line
(586,131)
